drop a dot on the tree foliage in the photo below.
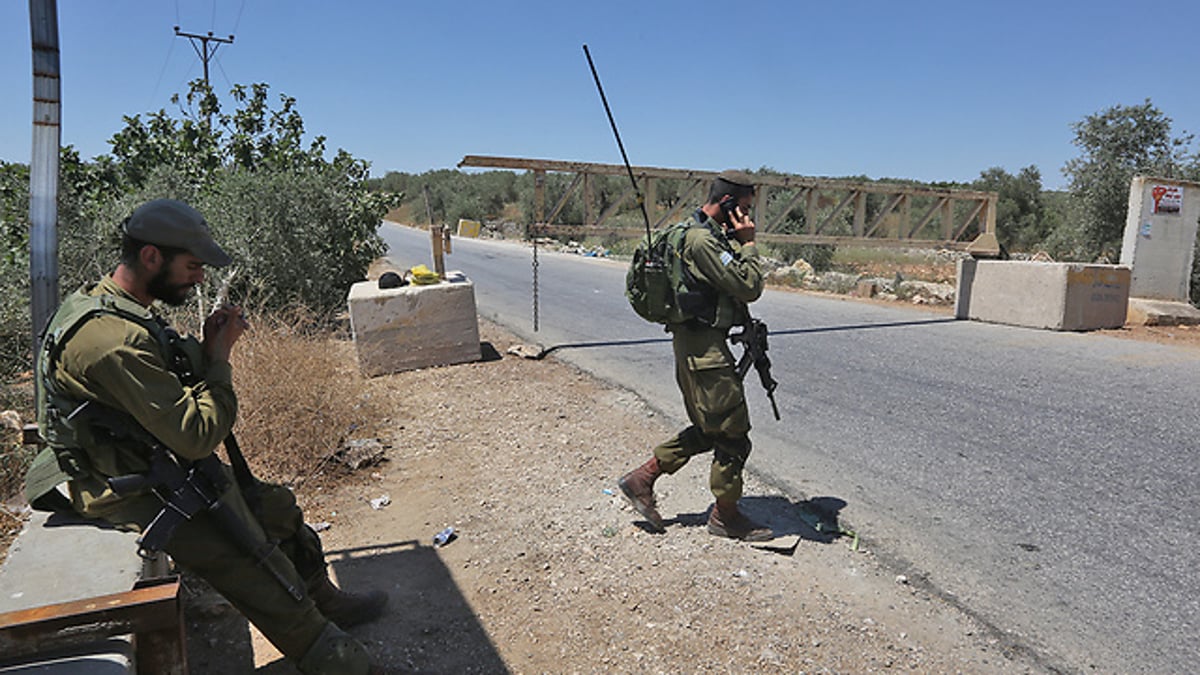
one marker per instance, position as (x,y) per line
(300,227)
(1022,217)
(1116,144)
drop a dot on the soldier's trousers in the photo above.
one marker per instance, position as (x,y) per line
(204,547)
(716,406)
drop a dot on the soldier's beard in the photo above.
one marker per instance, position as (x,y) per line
(161,288)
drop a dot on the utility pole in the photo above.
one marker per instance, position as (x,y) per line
(43,170)
(200,44)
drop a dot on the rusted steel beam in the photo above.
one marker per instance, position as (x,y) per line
(926,218)
(153,610)
(681,203)
(566,196)
(581,231)
(875,242)
(970,218)
(814,191)
(481,161)
(836,210)
(883,213)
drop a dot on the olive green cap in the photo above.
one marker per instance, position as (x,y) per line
(169,222)
(735,177)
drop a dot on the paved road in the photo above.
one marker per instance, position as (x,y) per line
(1045,482)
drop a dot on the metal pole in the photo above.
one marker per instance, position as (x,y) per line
(43,169)
(203,51)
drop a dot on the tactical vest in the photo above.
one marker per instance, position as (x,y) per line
(719,310)
(64,457)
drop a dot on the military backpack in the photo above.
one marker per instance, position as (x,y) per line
(658,285)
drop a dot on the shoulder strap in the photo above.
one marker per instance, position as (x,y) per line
(80,307)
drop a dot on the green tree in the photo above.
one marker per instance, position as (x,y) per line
(1022,220)
(1117,143)
(301,228)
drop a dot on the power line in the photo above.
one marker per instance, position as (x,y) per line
(222,69)
(238,20)
(166,62)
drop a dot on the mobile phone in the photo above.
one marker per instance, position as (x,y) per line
(729,205)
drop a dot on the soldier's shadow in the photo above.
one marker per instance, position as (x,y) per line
(814,519)
(428,626)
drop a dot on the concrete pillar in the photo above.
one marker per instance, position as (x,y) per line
(1160,233)
(1160,236)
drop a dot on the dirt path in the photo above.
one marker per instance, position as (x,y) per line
(550,572)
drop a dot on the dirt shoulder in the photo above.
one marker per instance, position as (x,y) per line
(551,572)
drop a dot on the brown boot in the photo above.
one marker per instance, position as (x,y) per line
(725,520)
(346,609)
(638,487)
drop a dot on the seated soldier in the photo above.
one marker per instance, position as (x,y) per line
(143,387)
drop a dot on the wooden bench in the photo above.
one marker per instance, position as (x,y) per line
(75,597)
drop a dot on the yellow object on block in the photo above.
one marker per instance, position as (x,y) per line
(423,276)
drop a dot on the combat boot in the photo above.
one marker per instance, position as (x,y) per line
(346,609)
(336,653)
(638,487)
(725,520)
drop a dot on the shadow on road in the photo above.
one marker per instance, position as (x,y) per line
(773,333)
(814,519)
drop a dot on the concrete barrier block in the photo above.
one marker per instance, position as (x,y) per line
(59,559)
(412,327)
(1056,296)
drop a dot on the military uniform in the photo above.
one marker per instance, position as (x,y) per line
(704,366)
(103,346)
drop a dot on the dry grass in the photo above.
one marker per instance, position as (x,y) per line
(300,398)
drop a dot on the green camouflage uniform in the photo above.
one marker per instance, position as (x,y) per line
(704,366)
(119,362)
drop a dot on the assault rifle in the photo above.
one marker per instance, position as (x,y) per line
(185,488)
(753,338)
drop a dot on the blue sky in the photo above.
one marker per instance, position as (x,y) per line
(932,91)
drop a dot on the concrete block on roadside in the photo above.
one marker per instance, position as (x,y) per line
(411,327)
(866,288)
(1055,296)
(1147,312)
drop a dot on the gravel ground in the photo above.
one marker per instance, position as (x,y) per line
(552,572)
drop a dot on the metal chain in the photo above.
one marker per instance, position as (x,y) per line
(535,281)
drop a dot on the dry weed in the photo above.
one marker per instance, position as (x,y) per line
(299,397)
